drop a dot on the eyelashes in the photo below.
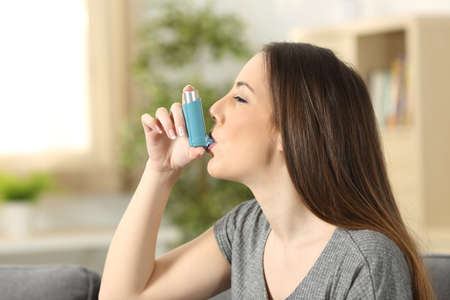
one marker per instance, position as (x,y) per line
(239,99)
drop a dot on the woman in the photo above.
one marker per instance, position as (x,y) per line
(299,130)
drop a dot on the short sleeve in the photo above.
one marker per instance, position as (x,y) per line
(225,228)
(362,287)
(386,277)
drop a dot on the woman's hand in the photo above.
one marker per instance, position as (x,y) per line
(164,153)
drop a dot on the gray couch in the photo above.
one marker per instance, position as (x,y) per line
(73,282)
(49,282)
(438,266)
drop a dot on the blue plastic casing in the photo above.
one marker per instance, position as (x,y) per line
(195,124)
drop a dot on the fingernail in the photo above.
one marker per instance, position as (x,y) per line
(172,134)
(180,131)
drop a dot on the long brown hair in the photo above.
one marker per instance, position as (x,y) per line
(322,108)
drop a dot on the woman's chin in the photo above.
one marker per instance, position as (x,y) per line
(212,169)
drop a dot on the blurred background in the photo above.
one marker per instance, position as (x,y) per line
(75,77)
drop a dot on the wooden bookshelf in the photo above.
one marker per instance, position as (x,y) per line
(418,151)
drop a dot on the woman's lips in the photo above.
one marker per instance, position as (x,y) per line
(211,136)
(208,149)
(211,146)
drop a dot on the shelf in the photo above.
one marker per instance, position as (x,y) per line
(416,152)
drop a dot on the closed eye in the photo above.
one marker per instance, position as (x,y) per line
(239,99)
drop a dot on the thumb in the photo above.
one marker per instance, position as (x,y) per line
(201,151)
(196,153)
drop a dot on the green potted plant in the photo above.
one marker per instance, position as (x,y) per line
(19,194)
(170,45)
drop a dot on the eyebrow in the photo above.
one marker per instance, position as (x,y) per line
(242,83)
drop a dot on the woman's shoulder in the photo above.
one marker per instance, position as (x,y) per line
(244,208)
(379,264)
(247,214)
(377,253)
(244,214)
(373,244)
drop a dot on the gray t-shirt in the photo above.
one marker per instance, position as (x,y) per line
(355,264)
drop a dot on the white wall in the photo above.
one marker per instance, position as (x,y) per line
(271,20)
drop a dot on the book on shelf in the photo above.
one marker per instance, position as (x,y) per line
(387,88)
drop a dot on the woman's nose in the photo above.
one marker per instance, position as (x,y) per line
(212,113)
(216,110)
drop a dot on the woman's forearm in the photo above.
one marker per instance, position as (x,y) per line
(131,254)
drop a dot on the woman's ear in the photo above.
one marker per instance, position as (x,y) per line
(279,143)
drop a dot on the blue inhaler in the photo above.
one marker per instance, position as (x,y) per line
(193,115)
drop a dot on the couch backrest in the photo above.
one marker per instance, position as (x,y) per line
(438,266)
(49,282)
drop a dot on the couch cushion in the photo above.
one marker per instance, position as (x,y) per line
(49,282)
